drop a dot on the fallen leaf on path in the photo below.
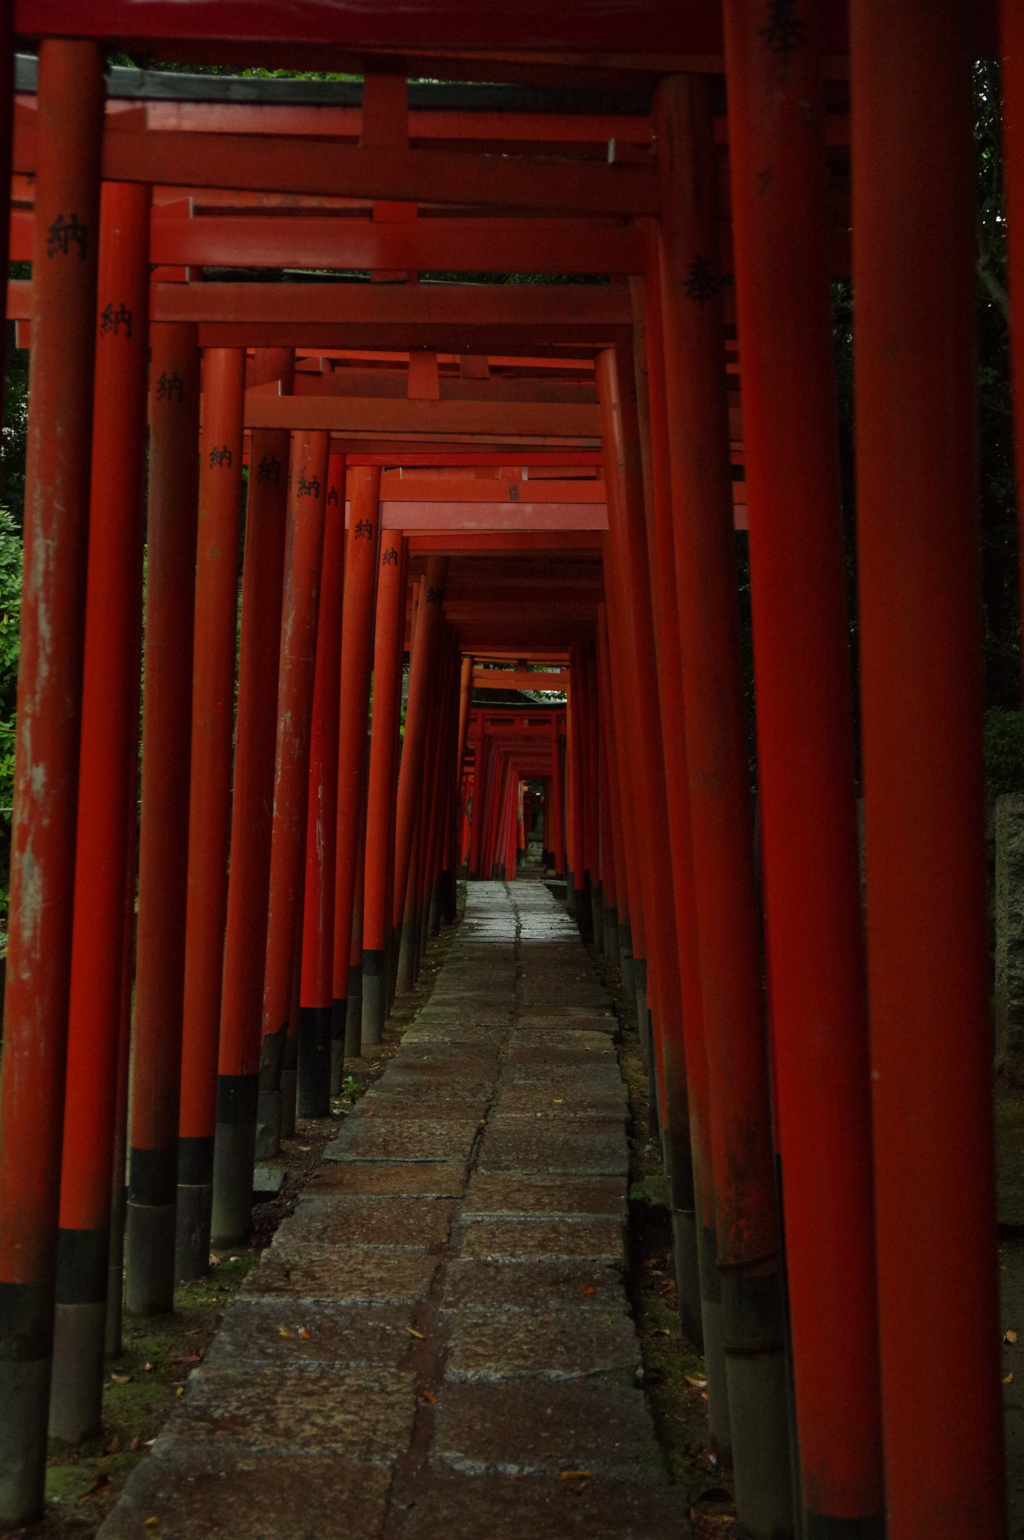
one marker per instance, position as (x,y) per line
(414,1333)
(1007,1379)
(153,1522)
(430,1399)
(214,1262)
(574,1475)
(113,1446)
(305,1333)
(99,1486)
(121,1379)
(284,1331)
(699,1384)
(150,1368)
(180,1390)
(1010,1336)
(588,1288)
(668,1286)
(133,1446)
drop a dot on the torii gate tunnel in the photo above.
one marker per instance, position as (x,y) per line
(279,297)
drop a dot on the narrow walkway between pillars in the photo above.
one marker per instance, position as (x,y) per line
(438,1345)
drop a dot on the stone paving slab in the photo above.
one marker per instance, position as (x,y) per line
(434,1179)
(533,1097)
(540,1237)
(537,1429)
(585,1146)
(432,1104)
(583,1021)
(390,1139)
(447,1051)
(526,1050)
(439,1336)
(355,1273)
(549,1344)
(544,1508)
(544,1283)
(571,1197)
(254,1331)
(353,1414)
(209,1494)
(420,1223)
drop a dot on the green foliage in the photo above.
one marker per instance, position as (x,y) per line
(1004,751)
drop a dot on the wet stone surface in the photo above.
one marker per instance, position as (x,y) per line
(438,1344)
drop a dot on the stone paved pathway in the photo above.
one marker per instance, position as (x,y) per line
(438,1344)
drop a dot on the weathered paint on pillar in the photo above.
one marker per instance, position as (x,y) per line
(388,650)
(300,603)
(316,989)
(917,535)
(421,680)
(743,1193)
(806,773)
(70,112)
(107,771)
(242,933)
(361,551)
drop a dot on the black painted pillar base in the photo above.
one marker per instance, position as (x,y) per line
(289,1086)
(585,911)
(234,1154)
(626,970)
(570,893)
(714,1350)
(195,1208)
(684,1233)
(755,1373)
(115,1267)
(354,1014)
(79,1334)
(149,1231)
(611,935)
(313,1087)
(597,917)
(339,1011)
(374,996)
(26,1337)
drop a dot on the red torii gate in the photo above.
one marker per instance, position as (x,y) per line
(667,674)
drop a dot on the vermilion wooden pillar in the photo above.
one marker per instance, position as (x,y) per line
(806,775)
(931,1052)
(118,1189)
(650,375)
(316,990)
(479,793)
(361,554)
(108,756)
(555,834)
(243,943)
(388,648)
(70,113)
(299,609)
(169,1055)
(577,711)
(165,773)
(423,663)
(632,630)
(206,824)
(721,814)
